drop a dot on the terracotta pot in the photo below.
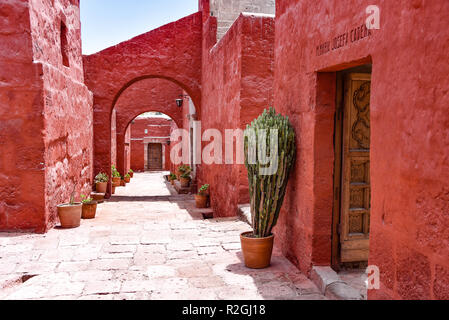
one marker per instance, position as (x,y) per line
(122,183)
(131,174)
(113,189)
(89,210)
(127,180)
(70,215)
(257,251)
(102,187)
(98,197)
(172,182)
(185,183)
(201,201)
(116,182)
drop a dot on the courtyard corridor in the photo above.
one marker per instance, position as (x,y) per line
(145,243)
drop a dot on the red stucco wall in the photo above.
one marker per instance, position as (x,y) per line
(237,86)
(22,200)
(55,140)
(409,136)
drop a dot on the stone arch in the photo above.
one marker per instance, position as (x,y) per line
(147,95)
(172,52)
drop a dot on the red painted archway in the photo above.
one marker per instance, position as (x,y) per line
(157,95)
(172,52)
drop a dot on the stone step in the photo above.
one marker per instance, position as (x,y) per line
(244,213)
(181,190)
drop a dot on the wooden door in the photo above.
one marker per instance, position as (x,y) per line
(355,170)
(155,156)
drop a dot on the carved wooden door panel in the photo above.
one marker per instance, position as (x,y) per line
(356,184)
(155,156)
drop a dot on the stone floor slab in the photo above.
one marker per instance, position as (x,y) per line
(144,244)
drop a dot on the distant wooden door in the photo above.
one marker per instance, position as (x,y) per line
(155,156)
(355,170)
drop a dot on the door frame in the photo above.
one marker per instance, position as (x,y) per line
(340,103)
(148,156)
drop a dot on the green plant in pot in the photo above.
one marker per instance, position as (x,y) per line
(131,173)
(115,177)
(70,213)
(89,207)
(101,182)
(267,182)
(185,179)
(172,177)
(202,197)
(183,169)
(127,178)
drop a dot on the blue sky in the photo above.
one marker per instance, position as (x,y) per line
(105,23)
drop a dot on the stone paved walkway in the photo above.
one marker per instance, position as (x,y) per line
(144,244)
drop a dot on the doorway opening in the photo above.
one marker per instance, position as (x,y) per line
(154,157)
(352,182)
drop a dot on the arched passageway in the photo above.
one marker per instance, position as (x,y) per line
(157,95)
(147,144)
(172,52)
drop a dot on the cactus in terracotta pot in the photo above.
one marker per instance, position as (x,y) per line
(269,136)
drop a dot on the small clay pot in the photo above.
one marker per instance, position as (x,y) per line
(127,180)
(131,174)
(113,189)
(89,210)
(116,182)
(256,251)
(98,197)
(122,183)
(185,183)
(201,201)
(172,182)
(70,215)
(102,187)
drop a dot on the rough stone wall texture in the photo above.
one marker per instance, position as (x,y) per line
(227,11)
(60,154)
(68,102)
(113,138)
(237,86)
(158,95)
(409,136)
(22,148)
(158,130)
(171,52)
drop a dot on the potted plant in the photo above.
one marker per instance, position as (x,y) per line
(122,181)
(89,207)
(127,178)
(185,180)
(267,189)
(101,181)
(115,177)
(202,197)
(70,213)
(172,178)
(131,173)
(182,170)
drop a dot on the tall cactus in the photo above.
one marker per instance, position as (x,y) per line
(267,192)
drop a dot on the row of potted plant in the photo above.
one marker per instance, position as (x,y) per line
(70,214)
(118,180)
(184,176)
